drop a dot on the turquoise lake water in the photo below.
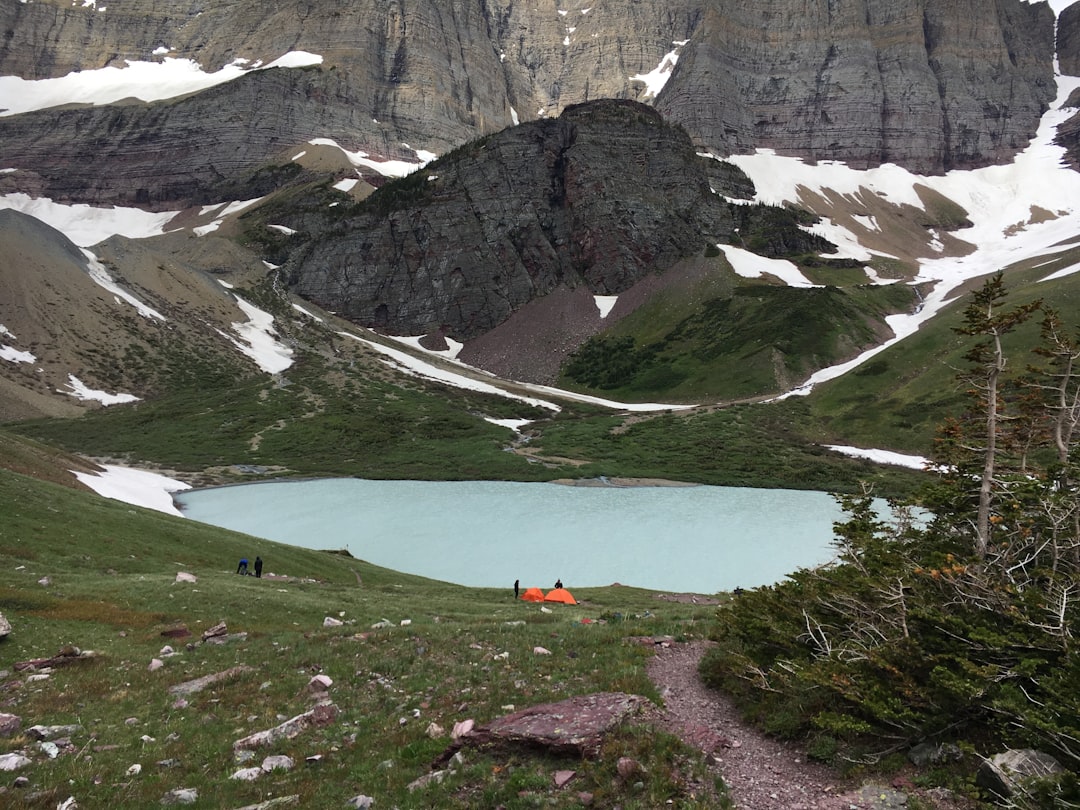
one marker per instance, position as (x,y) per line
(698,539)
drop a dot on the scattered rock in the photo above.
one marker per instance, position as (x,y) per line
(321,715)
(279,801)
(1006,773)
(68,804)
(562,777)
(184,576)
(45,582)
(278,762)
(155,664)
(435,777)
(134,770)
(52,732)
(360,802)
(5,627)
(181,796)
(197,685)
(9,724)
(541,651)
(66,655)
(879,797)
(247,774)
(628,768)
(218,630)
(434,730)
(926,754)
(462,728)
(13,761)
(330,621)
(320,684)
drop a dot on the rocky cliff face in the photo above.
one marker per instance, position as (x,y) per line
(597,198)
(928,84)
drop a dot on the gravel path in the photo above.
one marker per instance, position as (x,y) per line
(761,773)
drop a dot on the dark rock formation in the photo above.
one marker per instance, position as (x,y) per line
(598,198)
(1068,40)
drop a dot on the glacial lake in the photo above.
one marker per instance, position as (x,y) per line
(699,539)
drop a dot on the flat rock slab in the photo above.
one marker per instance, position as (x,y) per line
(197,685)
(574,726)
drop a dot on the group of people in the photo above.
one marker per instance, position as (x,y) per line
(517,586)
(242,568)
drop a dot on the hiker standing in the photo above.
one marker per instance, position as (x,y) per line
(258,566)
(517,586)
(242,567)
(558,583)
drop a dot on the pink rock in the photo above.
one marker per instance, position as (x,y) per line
(462,729)
(562,777)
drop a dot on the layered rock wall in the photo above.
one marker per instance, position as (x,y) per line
(928,85)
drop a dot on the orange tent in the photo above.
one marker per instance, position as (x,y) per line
(533,595)
(560,595)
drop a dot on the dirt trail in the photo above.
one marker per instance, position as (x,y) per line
(761,773)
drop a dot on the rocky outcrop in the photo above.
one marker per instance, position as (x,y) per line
(598,198)
(930,86)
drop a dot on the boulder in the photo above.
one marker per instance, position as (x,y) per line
(13,761)
(180,796)
(5,627)
(575,726)
(9,724)
(1006,773)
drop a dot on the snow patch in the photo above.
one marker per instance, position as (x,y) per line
(101,277)
(605,303)
(137,487)
(146,81)
(259,341)
(387,168)
(80,391)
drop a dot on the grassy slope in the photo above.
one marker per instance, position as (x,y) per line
(724,338)
(898,398)
(112,569)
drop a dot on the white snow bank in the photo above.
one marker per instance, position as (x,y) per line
(86,225)
(259,341)
(137,487)
(751,265)
(387,168)
(883,456)
(146,81)
(100,275)
(13,355)
(79,390)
